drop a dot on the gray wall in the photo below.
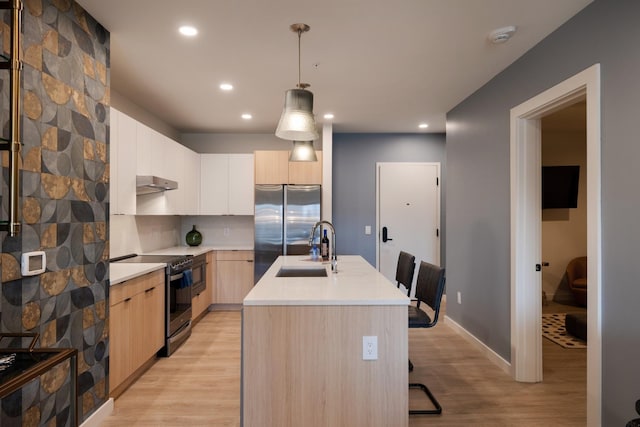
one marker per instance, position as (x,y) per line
(354,182)
(122,104)
(606,32)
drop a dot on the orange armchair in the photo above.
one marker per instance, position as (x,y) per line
(577,279)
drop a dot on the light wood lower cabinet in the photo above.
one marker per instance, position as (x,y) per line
(234,276)
(136,325)
(202,301)
(311,358)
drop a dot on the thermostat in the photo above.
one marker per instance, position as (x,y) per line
(33,263)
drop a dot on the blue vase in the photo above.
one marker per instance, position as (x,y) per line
(194,237)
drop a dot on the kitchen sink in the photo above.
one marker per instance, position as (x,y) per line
(302,272)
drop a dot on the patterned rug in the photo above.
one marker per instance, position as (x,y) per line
(553,330)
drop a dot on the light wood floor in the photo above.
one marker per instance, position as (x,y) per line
(200,384)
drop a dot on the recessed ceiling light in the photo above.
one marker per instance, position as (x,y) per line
(226,86)
(423,125)
(188,30)
(328,116)
(247,116)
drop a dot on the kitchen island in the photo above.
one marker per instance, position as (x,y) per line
(303,350)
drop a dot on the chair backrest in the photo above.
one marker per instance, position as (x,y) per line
(405,270)
(430,287)
(577,269)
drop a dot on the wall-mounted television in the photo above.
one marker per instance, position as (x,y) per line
(560,187)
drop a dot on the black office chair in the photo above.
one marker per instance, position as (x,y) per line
(429,290)
(405,269)
(636,421)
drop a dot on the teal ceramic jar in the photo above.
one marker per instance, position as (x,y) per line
(194,237)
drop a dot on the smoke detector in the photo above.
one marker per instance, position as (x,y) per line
(501,35)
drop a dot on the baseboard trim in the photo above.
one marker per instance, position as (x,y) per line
(101,414)
(225,307)
(498,360)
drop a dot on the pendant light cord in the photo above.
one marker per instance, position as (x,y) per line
(299,67)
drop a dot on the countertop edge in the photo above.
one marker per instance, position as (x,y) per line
(119,273)
(198,250)
(357,283)
(270,303)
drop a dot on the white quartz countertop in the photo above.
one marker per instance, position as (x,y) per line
(198,250)
(356,283)
(120,271)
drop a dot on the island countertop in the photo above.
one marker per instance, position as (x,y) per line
(356,283)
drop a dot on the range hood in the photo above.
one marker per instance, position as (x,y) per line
(146,184)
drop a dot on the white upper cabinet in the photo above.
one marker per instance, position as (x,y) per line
(208,184)
(214,184)
(191,182)
(226,184)
(161,156)
(144,160)
(241,186)
(123,155)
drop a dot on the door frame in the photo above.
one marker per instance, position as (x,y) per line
(526,283)
(438,208)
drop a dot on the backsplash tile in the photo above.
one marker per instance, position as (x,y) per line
(64,207)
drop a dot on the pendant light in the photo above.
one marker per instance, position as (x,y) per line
(303,152)
(297,122)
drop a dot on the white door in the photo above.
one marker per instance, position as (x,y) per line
(408,204)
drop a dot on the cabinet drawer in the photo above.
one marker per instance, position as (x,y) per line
(129,288)
(234,255)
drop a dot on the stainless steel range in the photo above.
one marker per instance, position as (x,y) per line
(178,285)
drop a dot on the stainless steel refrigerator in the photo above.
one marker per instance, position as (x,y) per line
(284,216)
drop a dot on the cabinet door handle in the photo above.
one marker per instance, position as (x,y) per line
(249,260)
(149,290)
(127,299)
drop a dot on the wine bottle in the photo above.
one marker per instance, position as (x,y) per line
(324,247)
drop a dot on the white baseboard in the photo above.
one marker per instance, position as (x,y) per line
(100,415)
(471,339)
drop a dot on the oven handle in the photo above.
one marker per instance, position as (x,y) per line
(181,332)
(177,276)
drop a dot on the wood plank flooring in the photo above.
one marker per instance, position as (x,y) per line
(200,384)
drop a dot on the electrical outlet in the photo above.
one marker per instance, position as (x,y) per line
(369,348)
(459,297)
(227,230)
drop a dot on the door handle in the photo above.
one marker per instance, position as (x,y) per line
(385,235)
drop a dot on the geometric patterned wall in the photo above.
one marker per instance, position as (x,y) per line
(64,207)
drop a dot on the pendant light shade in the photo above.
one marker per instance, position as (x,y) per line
(303,152)
(297,122)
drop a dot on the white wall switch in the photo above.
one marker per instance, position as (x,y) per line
(33,263)
(459,297)
(367,229)
(369,348)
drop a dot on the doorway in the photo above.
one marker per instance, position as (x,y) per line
(564,208)
(526,290)
(408,214)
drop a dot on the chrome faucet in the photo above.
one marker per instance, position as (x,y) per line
(334,256)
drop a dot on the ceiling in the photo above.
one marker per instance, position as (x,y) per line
(377,65)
